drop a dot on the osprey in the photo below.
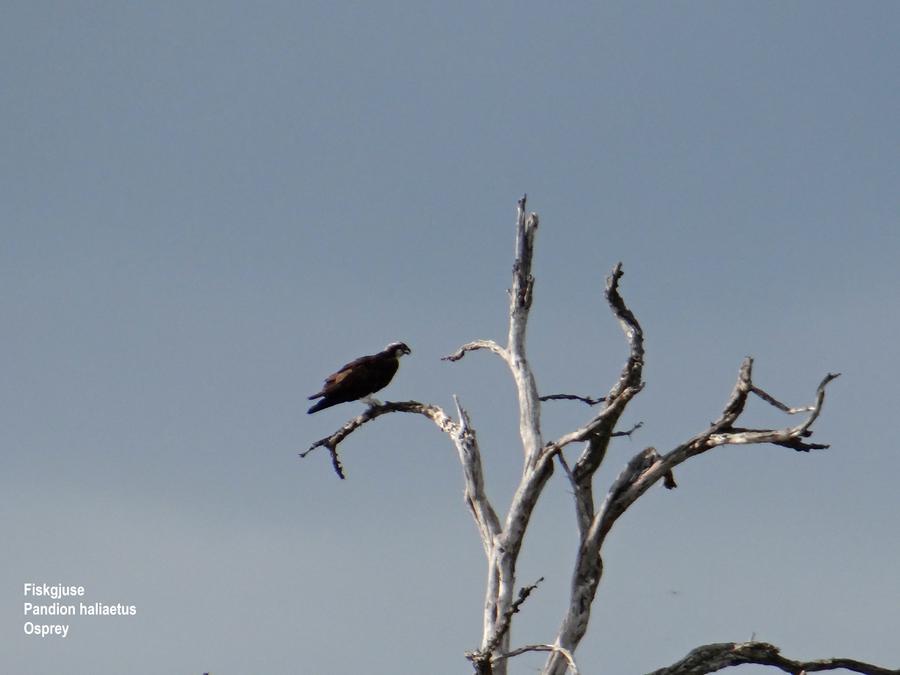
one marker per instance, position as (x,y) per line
(361,378)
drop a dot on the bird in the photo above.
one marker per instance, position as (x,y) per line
(360,378)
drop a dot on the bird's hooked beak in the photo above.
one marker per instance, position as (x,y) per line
(397,349)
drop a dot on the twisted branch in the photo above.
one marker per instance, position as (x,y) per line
(572,397)
(713,657)
(475,345)
(502,543)
(789,437)
(597,434)
(721,432)
(646,468)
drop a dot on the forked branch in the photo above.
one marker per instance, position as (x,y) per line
(631,485)
(646,468)
(502,541)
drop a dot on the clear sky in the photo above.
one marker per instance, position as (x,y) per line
(206,207)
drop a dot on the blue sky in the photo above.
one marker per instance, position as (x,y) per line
(207,207)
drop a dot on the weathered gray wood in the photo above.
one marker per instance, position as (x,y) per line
(713,657)
(502,539)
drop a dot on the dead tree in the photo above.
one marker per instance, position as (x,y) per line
(502,536)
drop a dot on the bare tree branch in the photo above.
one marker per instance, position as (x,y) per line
(653,467)
(572,397)
(631,373)
(601,426)
(584,503)
(433,412)
(598,433)
(476,498)
(565,653)
(521,295)
(503,542)
(713,657)
(789,436)
(538,467)
(475,345)
(628,385)
(463,437)
(502,627)
(646,468)
(723,432)
(619,434)
(768,398)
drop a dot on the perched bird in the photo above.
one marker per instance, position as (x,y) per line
(361,378)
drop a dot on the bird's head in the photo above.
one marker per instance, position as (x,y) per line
(397,349)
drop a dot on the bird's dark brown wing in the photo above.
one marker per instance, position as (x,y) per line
(335,379)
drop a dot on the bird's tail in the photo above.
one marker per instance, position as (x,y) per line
(321,405)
